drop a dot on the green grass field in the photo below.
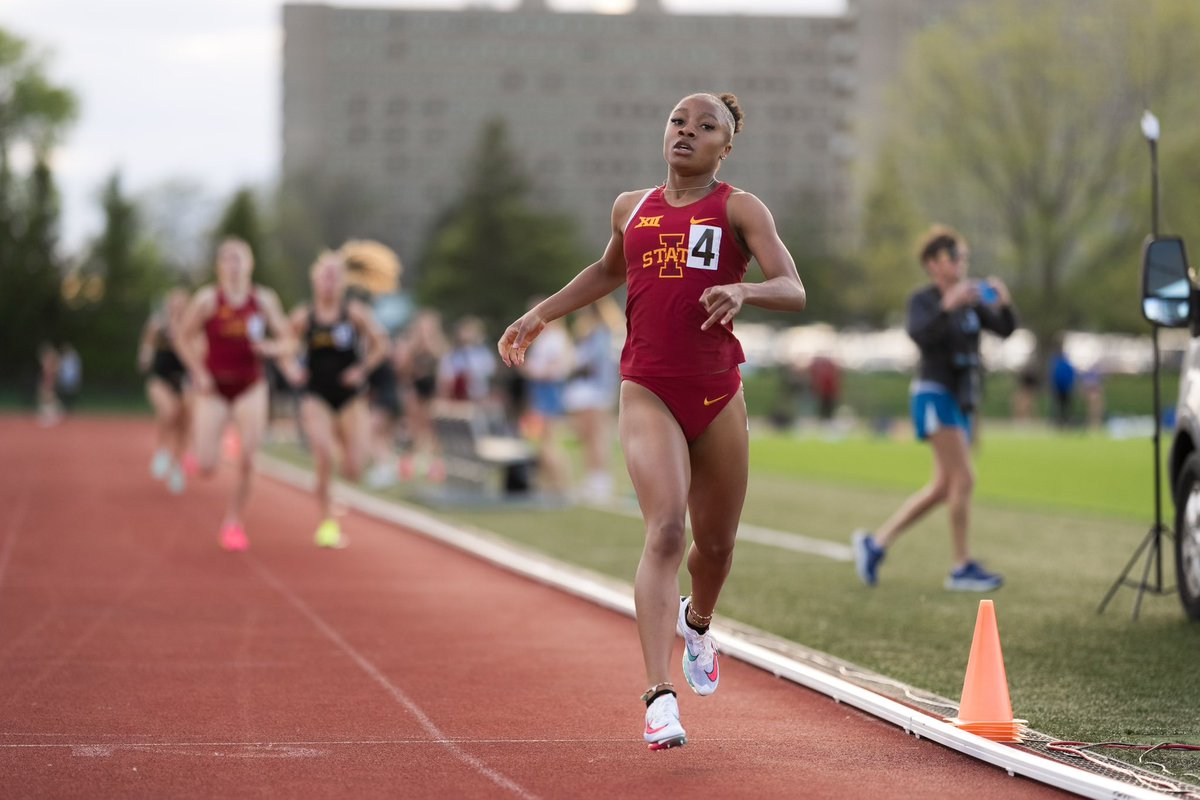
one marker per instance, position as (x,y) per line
(1059,515)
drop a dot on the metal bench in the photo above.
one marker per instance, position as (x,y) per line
(481,464)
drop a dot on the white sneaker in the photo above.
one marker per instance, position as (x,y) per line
(380,476)
(700,663)
(176,482)
(160,465)
(662,723)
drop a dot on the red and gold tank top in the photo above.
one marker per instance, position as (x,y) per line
(672,255)
(230,331)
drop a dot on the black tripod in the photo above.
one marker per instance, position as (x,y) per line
(1152,541)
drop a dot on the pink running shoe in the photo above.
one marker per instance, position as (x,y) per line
(191,467)
(233,537)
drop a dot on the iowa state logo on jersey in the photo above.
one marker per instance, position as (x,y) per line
(703,250)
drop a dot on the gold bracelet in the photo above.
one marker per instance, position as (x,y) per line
(699,619)
(656,688)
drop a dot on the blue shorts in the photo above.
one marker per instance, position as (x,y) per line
(932,411)
(546,398)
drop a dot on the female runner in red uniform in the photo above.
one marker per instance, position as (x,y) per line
(343,343)
(234,316)
(682,248)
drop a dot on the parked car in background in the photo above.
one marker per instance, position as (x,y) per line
(1170,299)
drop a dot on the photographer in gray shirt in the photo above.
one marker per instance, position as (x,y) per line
(945,319)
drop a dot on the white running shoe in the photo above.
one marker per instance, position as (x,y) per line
(160,465)
(700,663)
(176,482)
(662,723)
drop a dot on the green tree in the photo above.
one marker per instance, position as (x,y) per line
(241,218)
(1017,122)
(33,116)
(804,225)
(315,212)
(886,269)
(490,251)
(133,274)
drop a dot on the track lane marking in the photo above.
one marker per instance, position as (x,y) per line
(397,694)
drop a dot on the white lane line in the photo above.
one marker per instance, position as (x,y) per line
(10,534)
(769,537)
(396,692)
(300,745)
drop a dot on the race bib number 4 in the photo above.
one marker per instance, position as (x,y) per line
(704,247)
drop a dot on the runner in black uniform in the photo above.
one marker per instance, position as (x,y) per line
(343,342)
(165,375)
(332,348)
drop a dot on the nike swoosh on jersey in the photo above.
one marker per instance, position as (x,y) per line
(708,402)
(698,221)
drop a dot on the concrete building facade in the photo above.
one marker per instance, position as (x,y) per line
(391,102)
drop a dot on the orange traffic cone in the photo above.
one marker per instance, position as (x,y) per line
(986,709)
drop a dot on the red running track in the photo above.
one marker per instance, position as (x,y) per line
(137,659)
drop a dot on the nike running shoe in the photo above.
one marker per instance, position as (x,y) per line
(867,557)
(700,663)
(662,723)
(329,534)
(233,537)
(971,577)
(160,465)
(191,467)
(176,482)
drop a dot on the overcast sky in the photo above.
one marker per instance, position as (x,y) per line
(190,89)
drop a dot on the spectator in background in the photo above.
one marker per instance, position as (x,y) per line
(547,366)
(166,377)
(418,353)
(70,376)
(825,378)
(1062,383)
(49,410)
(945,320)
(383,401)
(591,396)
(1092,383)
(1024,397)
(466,371)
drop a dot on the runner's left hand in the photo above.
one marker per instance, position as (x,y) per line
(722,304)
